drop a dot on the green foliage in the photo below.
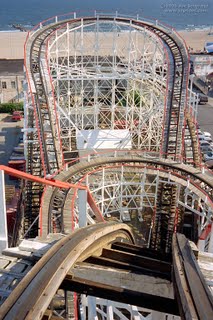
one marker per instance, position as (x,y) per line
(137,98)
(10,107)
(134,98)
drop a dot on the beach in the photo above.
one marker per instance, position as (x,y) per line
(196,39)
(12,42)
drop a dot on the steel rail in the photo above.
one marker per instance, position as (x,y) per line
(31,298)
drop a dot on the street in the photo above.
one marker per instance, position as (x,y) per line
(205,117)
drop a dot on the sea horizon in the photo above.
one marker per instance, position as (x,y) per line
(179,14)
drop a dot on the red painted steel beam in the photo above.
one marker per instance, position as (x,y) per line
(94,207)
(205,232)
(51,182)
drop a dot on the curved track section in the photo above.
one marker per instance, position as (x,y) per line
(32,297)
(177,86)
(56,204)
(154,280)
(45,125)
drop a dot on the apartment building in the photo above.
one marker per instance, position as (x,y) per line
(11,80)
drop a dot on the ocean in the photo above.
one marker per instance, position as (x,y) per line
(181,14)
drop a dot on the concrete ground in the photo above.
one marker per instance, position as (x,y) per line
(10,132)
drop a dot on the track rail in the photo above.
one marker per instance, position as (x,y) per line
(85,260)
(194,297)
(46,118)
(58,202)
(176,100)
(27,300)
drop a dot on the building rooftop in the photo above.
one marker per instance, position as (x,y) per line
(11,67)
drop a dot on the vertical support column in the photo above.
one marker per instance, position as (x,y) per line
(113,81)
(210,249)
(92,308)
(102,191)
(81,111)
(121,193)
(69,305)
(82,206)
(3,215)
(110,315)
(26,105)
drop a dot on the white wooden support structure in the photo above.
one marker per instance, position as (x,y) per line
(3,215)
(210,249)
(82,205)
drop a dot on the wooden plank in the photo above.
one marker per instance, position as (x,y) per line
(142,251)
(186,306)
(195,299)
(124,279)
(33,246)
(127,266)
(202,297)
(4,262)
(17,267)
(105,291)
(138,260)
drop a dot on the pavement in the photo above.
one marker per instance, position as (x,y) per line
(205,116)
(10,132)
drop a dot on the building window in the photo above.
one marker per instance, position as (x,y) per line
(22,83)
(4,85)
(13,84)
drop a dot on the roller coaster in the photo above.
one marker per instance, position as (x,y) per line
(91,80)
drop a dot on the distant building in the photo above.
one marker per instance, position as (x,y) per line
(209,47)
(202,64)
(11,80)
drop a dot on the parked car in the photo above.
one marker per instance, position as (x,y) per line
(208,139)
(201,137)
(124,214)
(207,134)
(208,156)
(16,116)
(205,149)
(202,98)
(204,143)
(209,164)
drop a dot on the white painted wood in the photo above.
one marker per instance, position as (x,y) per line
(82,205)
(33,246)
(210,249)
(124,279)
(3,215)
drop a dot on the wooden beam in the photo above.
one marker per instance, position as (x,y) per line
(133,258)
(123,295)
(142,251)
(193,295)
(102,261)
(123,279)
